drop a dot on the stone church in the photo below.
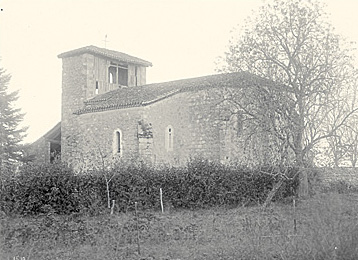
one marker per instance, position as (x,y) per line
(110,114)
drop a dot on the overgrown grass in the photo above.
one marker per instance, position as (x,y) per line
(326,229)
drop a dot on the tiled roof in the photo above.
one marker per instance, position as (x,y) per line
(120,56)
(151,93)
(54,134)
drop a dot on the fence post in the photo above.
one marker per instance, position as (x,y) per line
(137,226)
(294,215)
(112,208)
(161,199)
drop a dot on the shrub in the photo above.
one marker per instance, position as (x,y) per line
(341,187)
(39,189)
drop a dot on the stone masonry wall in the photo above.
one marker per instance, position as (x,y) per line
(174,112)
(74,83)
(95,137)
(325,176)
(193,117)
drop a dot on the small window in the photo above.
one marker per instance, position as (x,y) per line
(169,138)
(97,89)
(117,142)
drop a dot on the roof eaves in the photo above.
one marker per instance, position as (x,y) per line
(107,108)
(102,108)
(93,101)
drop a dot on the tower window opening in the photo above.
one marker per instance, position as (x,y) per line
(112,71)
(118,74)
(123,76)
(97,88)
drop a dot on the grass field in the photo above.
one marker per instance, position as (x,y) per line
(327,228)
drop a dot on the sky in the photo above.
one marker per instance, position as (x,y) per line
(182,39)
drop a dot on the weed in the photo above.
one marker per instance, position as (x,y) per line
(326,229)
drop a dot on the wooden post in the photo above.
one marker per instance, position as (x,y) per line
(107,190)
(294,215)
(137,227)
(112,208)
(161,199)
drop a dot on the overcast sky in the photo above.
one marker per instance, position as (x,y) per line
(181,38)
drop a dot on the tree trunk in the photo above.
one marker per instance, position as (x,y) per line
(303,176)
(299,152)
(303,183)
(272,193)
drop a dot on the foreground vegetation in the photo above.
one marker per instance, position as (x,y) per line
(325,229)
(55,188)
(210,212)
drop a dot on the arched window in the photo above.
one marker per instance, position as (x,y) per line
(117,142)
(112,75)
(169,138)
(97,88)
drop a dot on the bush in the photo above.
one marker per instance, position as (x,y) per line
(341,187)
(38,189)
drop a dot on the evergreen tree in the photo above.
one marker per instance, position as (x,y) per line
(10,117)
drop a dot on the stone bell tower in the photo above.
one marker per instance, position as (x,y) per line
(88,72)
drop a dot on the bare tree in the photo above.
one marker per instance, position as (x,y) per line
(89,159)
(291,43)
(343,144)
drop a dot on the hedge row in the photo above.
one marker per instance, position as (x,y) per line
(42,188)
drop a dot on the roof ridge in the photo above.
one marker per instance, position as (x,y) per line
(121,56)
(168,94)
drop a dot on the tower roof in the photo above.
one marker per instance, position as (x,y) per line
(116,55)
